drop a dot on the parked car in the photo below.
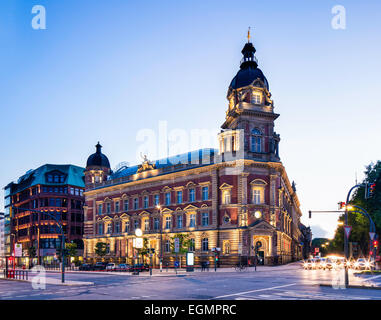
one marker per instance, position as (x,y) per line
(86,267)
(139,267)
(123,266)
(110,266)
(100,266)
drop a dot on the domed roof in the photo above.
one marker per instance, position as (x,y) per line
(246,76)
(98,159)
(249,70)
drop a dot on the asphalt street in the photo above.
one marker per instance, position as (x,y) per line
(288,282)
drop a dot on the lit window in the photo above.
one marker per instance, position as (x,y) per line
(146,225)
(256,98)
(226,197)
(109,228)
(226,247)
(256,196)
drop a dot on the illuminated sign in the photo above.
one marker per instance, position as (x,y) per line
(190,259)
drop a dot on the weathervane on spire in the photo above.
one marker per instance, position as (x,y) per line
(248,35)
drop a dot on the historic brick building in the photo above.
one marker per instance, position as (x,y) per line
(231,198)
(57,189)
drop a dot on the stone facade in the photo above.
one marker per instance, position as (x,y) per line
(231,198)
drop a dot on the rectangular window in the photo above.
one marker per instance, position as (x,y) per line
(192,197)
(58,202)
(167,198)
(156,223)
(109,228)
(256,196)
(191,245)
(99,208)
(226,197)
(192,220)
(167,246)
(156,200)
(117,227)
(179,197)
(179,221)
(136,224)
(205,219)
(205,244)
(256,98)
(205,193)
(108,207)
(117,206)
(125,205)
(167,222)
(145,202)
(136,203)
(127,226)
(146,224)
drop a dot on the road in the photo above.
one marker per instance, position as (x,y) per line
(289,282)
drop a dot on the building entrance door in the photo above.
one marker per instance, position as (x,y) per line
(261,258)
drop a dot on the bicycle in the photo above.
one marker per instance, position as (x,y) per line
(239,267)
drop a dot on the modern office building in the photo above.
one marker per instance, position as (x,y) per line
(54,189)
(237,198)
(2,241)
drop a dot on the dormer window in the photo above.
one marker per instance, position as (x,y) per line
(256,98)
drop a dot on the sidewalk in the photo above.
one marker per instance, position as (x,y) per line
(170,272)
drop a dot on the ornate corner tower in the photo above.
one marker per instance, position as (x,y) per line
(97,167)
(248,129)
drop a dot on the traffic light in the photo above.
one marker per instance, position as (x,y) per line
(369,190)
(341,205)
(217,257)
(375,243)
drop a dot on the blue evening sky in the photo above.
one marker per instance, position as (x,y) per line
(104,70)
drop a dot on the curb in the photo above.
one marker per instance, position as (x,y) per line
(354,287)
(58,283)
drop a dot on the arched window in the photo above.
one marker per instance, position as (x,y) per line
(256,140)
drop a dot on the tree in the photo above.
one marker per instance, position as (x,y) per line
(101,249)
(71,249)
(184,243)
(145,250)
(31,253)
(359,223)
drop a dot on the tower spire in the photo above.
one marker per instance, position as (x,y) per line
(248,35)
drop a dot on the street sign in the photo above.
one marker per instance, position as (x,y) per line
(18,250)
(347,230)
(371,235)
(177,245)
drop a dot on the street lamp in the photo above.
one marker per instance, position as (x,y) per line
(161,237)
